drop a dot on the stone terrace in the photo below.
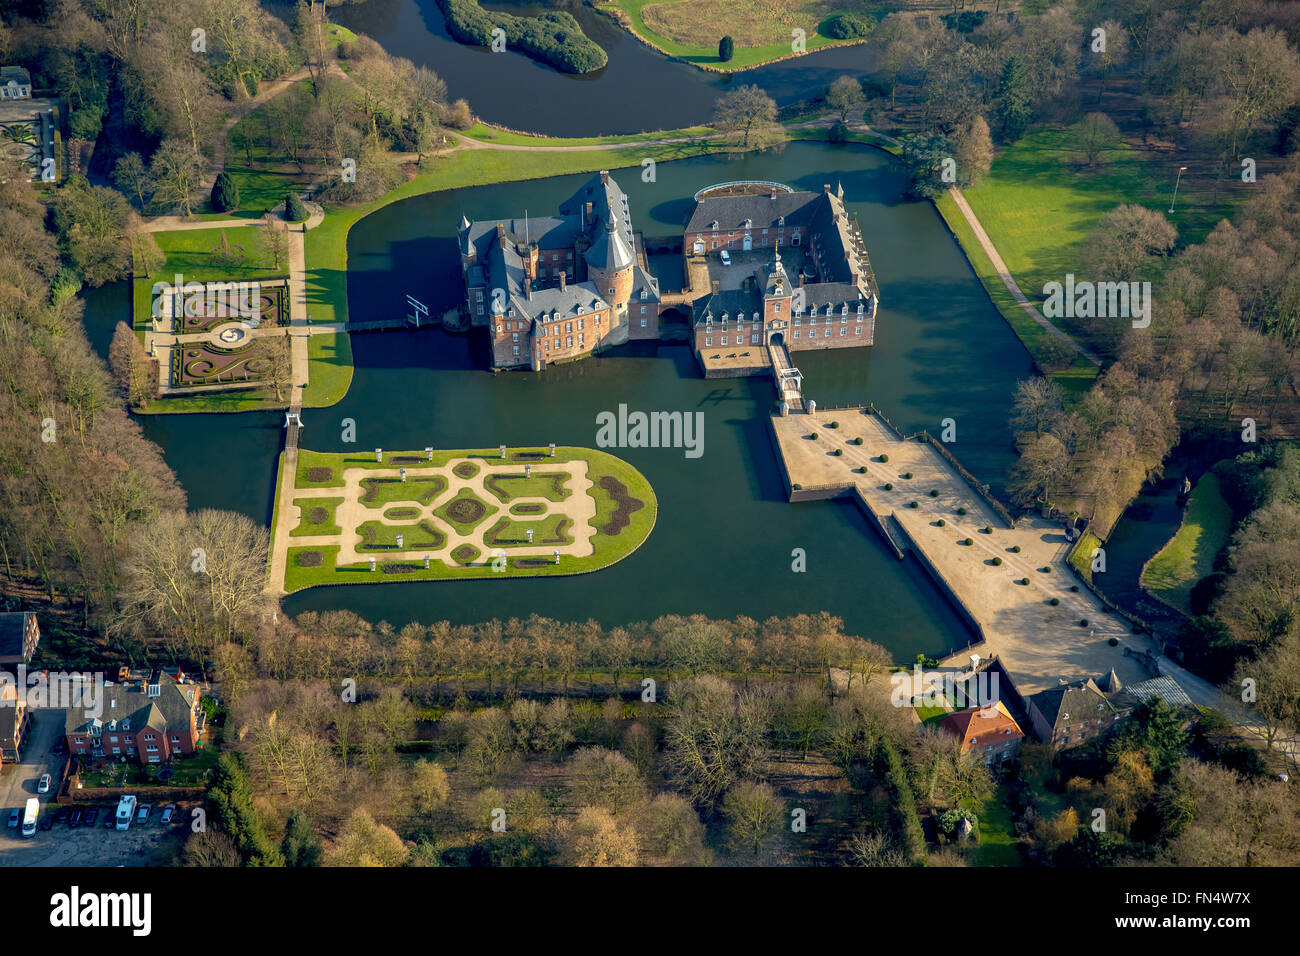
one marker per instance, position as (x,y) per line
(1037,642)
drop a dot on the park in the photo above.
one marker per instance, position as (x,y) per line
(435,515)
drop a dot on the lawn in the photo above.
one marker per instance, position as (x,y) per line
(504,137)
(325,524)
(626,510)
(1189,555)
(690,29)
(1038,206)
(997,833)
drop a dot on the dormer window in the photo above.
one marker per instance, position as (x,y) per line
(643,294)
(511,313)
(781,221)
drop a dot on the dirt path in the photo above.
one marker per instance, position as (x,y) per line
(1009,281)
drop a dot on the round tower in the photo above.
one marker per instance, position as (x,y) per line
(609,266)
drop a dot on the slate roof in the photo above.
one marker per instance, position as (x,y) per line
(610,252)
(762,211)
(129,702)
(728,301)
(1082,701)
(577,298)
(644,280)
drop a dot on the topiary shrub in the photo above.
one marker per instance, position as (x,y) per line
(1024,581)
(1083,622)
(934,493)
(797,487)
(1113,642)
(833,425)
(812,437)
(967,541)
(1074,588)
(961,511)
(1015,549)
(225,193)
(889,486)
(726,49)
(837,452)
(940,523)
(883,458)
(295,210)
(986,530)
(907,475)
(912,504)
(997,562)
(1054,602)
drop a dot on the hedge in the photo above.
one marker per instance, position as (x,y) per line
(848,26)
(555,38)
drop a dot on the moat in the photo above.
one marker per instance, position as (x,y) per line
(723,542)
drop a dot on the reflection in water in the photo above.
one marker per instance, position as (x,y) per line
(639,90)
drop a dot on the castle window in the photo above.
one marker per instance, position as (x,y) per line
(580,325)
(516,350)
(844,331)
(511,313)
(498,328)
(568,327)
(480,308)
(754,338)
(796,333)
(777,308)
(611,291)
(724,340)
(643,323)
(708,341)
(557,343)
(570,341)
(514,337)
(858,331)
(643,310)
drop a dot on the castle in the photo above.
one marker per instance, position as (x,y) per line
(822,295)
(558,287)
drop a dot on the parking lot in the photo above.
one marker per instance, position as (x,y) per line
(151,844)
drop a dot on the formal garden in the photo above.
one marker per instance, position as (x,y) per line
(363,517)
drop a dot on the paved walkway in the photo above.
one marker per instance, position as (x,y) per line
(579,507)
(1009,281)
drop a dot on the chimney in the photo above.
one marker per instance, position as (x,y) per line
(773,194)
(501,229)
(604,177)
(528,289)
(801,278)
(562,278)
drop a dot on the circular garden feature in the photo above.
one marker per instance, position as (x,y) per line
(466,469)
(465,554)
(318,516)
(466,510)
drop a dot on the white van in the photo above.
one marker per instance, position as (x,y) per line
(125,811)
(29,816)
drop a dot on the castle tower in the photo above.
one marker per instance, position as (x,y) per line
(609,267)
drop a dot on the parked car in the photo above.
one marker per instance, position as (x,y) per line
(47,822)
(725,256)
(44,785)
(169,812)
(74,821)
(60,746)
(142,815)
(108,818)
(91,816)
(62,815)
(14,816)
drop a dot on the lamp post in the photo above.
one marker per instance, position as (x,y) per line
(1177,180)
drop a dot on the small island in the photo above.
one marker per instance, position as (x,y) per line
(366,517)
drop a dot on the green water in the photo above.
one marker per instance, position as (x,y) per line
(723,542)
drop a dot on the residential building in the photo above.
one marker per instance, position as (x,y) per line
(989,731)
(15,723)
(1074,713)
(148,719)
(19,636)
(556,288)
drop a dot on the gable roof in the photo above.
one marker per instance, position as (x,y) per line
(1164,687)
(1064,705)
(763,211)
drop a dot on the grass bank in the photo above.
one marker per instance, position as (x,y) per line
(1189,555)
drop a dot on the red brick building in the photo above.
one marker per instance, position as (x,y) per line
(149,719)
(989,731)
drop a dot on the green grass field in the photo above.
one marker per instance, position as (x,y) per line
(493,134)
(711,19)
(1189,555)
(609,548)
(997,833)
(327,526)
